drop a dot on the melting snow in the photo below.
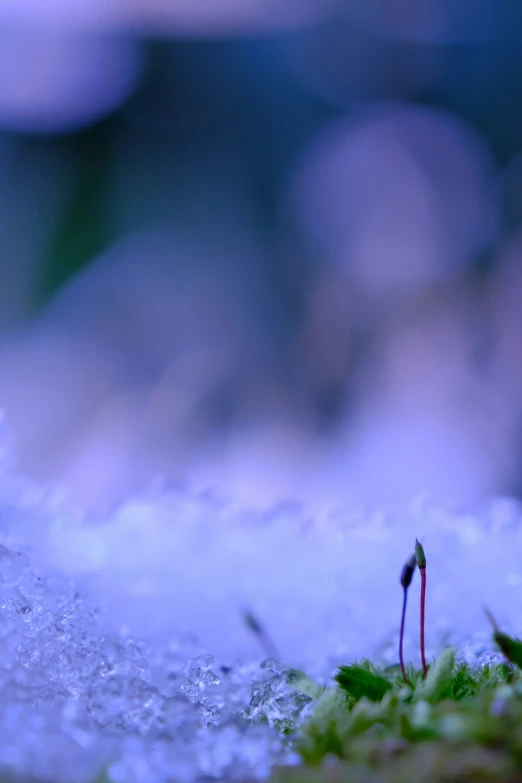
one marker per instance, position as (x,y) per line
(124,645)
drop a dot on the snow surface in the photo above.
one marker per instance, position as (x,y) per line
(124,646)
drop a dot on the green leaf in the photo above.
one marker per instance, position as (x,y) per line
(511,648)
(437,685)
(358,682)
(325,732)
(302,683)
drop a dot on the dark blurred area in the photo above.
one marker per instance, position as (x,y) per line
(273,249)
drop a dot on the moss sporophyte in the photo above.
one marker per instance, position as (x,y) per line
(406,576)
(258,630)
(420,557)
(453,722)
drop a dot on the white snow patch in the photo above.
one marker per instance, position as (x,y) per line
(124,646)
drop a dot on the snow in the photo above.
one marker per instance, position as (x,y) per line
(124,644)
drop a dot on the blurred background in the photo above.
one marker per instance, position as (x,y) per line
(270,249)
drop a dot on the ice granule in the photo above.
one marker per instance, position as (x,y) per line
(75,702)
(275,699)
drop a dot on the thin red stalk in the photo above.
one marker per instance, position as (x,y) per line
(401,658)
(422,570)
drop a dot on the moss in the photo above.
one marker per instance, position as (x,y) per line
(452,723)
(359,680)
(460,724)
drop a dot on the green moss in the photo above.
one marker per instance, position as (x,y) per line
(457,724)
(360,680)
(460,724)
